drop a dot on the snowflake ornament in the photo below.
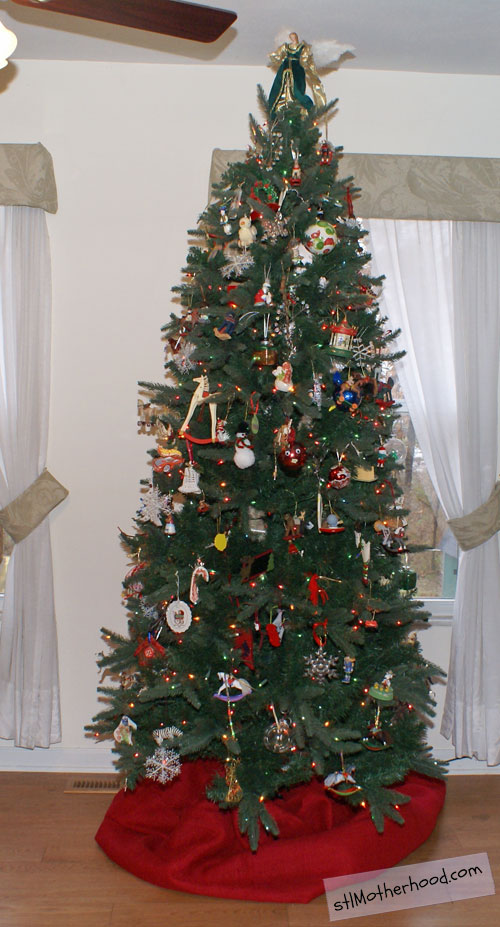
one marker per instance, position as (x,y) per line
(154,504)
(182,357)
(320,666)
(238,262)
(163,766)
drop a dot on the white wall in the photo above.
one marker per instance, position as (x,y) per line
(131,146)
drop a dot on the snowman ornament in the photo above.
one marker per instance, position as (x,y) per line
(243,450)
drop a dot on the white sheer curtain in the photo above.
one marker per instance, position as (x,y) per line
(442,289)
(29,684)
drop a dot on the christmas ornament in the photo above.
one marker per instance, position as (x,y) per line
(244,642)
(163,766)
(339,477)
(278,738)
(295,63)
(342,783)
(365,549)
(396,450)
(316,394)
(179,616)
(342,338)
(244,456)
(364,473)
(321,237)
(226,330)
(283,377)
(381,455)
(376,739)
(382,691)
(293,456)
(200,572)
(332,524)
(347,396)
(232,688)
(265,356)
(189,485)
(384,394)
(123,734)
(254,409)
(275,629)
(234,790)
(348,669)
(221,435)
(224,221)
(263,296)
(296,175)
(168,460)
(237,263)
(220,541)
(148,650)
(316,592)
(200,396)
(166,733)
(326,153)
(273,229)
(247,233)
(169,523)
(320,666)
(203,507)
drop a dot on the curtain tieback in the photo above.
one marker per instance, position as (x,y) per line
(480,525)
(21,516)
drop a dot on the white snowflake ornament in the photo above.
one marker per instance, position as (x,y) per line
(163,766)
(153,505)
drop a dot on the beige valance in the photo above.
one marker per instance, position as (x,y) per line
(27,177)
(411,186)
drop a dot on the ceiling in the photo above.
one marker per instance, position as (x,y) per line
(441,36)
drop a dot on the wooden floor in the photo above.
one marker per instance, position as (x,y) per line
(53,874)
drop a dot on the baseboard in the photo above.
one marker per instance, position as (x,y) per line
(98,759)
(465,765)
(95,759)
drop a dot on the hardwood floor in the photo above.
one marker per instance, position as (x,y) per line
(53,874)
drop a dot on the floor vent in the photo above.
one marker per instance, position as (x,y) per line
(79,784)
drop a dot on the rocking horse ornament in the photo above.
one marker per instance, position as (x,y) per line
(200,396)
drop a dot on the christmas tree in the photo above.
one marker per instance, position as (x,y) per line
(269,609)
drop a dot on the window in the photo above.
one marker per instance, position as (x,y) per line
(436,566)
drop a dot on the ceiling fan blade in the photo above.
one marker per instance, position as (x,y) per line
(168,17)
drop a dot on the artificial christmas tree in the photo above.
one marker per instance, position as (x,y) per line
(269,614)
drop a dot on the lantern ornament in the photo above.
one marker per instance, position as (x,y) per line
(342,338)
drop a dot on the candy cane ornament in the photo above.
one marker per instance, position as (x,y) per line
(200,571)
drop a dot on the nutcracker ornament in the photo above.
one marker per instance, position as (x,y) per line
(326,153)
(296,175)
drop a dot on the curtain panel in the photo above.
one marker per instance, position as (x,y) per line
(29,683)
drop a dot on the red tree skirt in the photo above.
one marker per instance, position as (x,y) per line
(174,837)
